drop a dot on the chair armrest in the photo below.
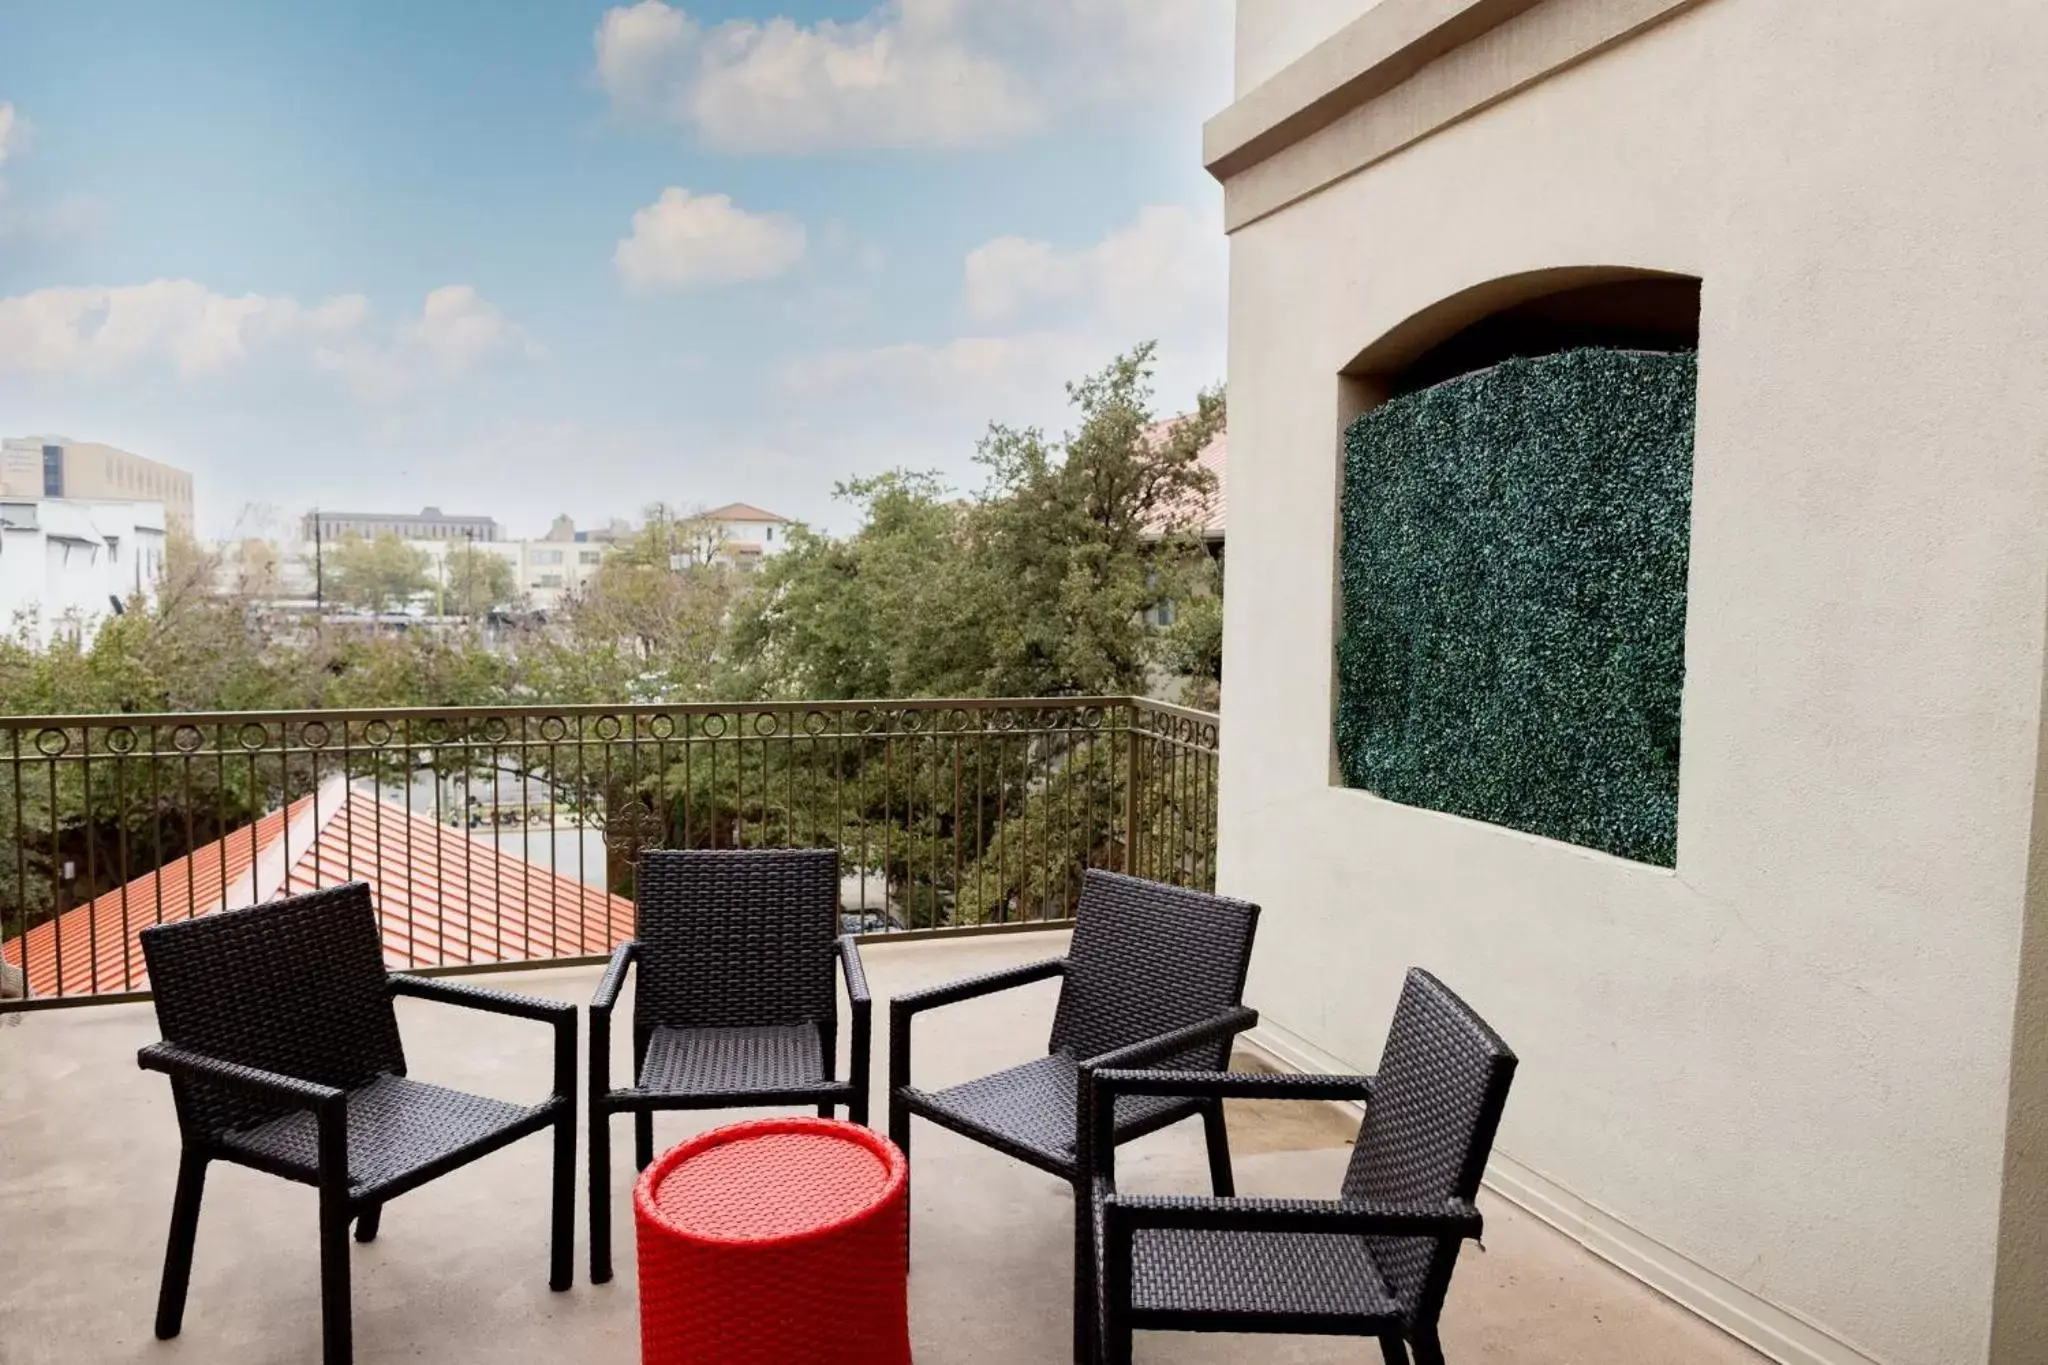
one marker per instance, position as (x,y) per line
(598,1073)
(185,1064)
(1227,1024)
(1095,1124)
(1236,1085)
(850,967)
(560,1013)
(1451,1218)
(445,992)
(614,979)
(903,1008)
(972,987)
(328,1103)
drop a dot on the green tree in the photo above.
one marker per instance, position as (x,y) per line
(1191,645)
(377,575)
(479,581)
(641,630)
(1083,537)
(1037,587)
(886,612)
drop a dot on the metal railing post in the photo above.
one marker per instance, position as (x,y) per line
(1133,776)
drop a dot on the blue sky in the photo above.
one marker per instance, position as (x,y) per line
(530,258)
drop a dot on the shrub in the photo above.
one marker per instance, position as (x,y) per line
(1512,645)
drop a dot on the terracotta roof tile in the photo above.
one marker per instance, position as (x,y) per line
(744,511)
(1209,518)
(443,898)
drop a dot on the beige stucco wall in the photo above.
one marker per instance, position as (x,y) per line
(1272,33)
(96,471)
(2019,1329)
(1788,1061)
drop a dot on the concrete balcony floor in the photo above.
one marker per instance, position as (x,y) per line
(88,1152)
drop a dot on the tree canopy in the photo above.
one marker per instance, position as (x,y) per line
(479,581)
(377,575)
(1037,585)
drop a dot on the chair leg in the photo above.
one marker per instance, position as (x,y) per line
(825,1111)
(643,1139)
(562,1231)
(367,1222)
(1084,1277)
(1117,1346)
(1423,1342)
(335,1328)
(1220,1177)
(600,1195)
(899,1133)
(170,1302)
(1394,1351)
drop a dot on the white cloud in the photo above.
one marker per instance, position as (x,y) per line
(458,328)
(1164,269)
(457,332)
(10,130)
(197,331)
(1043,315)
(700,241)
(911,73)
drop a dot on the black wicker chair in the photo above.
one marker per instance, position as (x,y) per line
(1154,977)
(282,1046)
(734,1005)
(1377,1260)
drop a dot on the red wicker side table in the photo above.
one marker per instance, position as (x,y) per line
(777,1242)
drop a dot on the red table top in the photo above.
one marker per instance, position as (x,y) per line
(774,1179)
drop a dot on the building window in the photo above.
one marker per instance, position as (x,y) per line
(547,556)
(588,556)
(770,536)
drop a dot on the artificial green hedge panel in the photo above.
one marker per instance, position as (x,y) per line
(1513,561)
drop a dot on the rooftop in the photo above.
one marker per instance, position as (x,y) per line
(744,511)
(443,896)
(459,1273)
(1210,515)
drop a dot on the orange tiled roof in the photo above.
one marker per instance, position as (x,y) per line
(442,897)
(744,511)
(91,949)
(1209,518)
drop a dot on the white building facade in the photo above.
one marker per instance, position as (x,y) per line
(67,565)
(748,534)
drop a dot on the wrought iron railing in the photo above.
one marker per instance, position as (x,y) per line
(510,835)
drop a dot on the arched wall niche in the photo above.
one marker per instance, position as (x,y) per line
(1538,312)
(1538,691)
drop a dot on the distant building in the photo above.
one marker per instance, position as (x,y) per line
(431,523)
(750,534)
(68,564)
(613,531)
(1205,517)
(88,471)
(547,572)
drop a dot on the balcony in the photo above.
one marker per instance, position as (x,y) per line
(502,843)
(459,1273)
